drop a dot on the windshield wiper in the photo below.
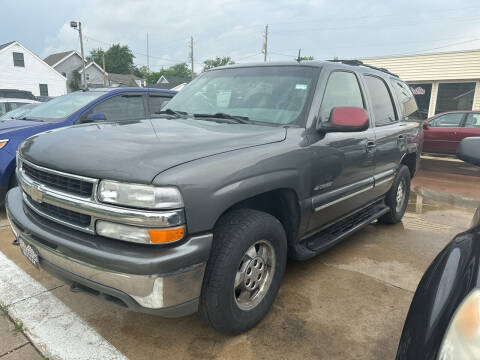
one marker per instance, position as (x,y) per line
(172,112)
(220,115)
(28,119)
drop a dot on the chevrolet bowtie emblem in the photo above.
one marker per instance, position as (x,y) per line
(36,194)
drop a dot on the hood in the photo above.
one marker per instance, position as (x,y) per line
(137,151)
(12,125)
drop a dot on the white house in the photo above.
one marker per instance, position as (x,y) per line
(94,75)
(70,62)
(22,69)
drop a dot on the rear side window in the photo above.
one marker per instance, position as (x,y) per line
(382,106)
(123,107)
(473,121)
(407,100)
(447,120)
(342,90)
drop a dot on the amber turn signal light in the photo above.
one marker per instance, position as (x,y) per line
(166,235)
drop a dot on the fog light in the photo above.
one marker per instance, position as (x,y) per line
(139,234)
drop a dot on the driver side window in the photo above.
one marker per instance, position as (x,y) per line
(122,107)
(342,90)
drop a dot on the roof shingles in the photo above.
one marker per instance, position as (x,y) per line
(6,44)
(54,58)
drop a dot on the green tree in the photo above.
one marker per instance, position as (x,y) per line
(180,70)
(302,58)
(218,61)
(74,84)
(96,55)
(118,58)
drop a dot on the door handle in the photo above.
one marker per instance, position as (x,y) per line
(371,146)
(401,137)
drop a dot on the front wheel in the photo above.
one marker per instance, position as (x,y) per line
(244,271)
(397,197)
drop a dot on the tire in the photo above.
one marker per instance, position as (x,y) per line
(222,303)
(397,210)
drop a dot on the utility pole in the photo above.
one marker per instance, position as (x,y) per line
(298,58)
(266,44)
(83,57)
(148,59)
(104,73)
(191,54)
(74,25)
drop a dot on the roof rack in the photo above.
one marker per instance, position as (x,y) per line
(360,63)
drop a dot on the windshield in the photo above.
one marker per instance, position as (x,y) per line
(275,95)
(18,112)
(63,106)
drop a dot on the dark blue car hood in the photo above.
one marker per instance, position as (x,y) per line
(11,126)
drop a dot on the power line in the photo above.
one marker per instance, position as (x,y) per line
(136,52)
(371,24)
(369,17)
(422,52)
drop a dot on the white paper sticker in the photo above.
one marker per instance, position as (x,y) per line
(301,86)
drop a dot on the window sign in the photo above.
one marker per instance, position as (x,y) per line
(422,94)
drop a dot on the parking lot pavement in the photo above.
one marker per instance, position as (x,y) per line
(348,303)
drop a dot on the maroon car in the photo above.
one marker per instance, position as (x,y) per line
(444,131)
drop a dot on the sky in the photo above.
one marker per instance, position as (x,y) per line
(323,29)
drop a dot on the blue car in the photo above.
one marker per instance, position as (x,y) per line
(103,104)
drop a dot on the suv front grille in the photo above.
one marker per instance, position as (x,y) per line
(59,182)
(62,214)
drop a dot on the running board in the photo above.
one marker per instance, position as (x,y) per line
(338,232)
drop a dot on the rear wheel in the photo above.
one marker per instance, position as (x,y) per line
(397,197)
(244,271)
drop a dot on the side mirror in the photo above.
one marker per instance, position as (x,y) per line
(94,117)
(425,125)
(346,119)
(469,150)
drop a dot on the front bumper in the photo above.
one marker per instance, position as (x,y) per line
(164,281)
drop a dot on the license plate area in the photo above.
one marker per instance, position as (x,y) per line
(29,252)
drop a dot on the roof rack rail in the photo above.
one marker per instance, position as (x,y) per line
(354,62)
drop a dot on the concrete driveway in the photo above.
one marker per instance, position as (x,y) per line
(348,303)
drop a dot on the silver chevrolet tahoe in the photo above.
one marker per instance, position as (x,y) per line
(198,209)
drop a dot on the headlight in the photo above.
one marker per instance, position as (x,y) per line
(462,339)
(140,196)
(3,143)
(138,234)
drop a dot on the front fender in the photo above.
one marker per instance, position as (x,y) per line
(447,281)
(212,185)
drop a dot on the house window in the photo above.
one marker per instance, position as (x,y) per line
(455,96)
(43,90)
(18,59)
(87,76)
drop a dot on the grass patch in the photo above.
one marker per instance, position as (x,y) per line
(3,309)
(18,327)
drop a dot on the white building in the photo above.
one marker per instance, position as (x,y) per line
(70,62)
(440,82)
(23,70)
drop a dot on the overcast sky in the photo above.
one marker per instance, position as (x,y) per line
(323,29)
